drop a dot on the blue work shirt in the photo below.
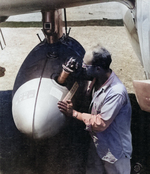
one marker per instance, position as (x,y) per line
(111,101)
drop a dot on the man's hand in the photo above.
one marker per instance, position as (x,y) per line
(71,65)
(66,107)
(2,71)
(95,123)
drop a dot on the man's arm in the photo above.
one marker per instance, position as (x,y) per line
(95,121)
(99,122)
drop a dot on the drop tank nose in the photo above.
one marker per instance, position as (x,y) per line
(35,110)
(36,93)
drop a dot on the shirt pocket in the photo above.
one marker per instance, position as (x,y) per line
(96,108)
(98,103)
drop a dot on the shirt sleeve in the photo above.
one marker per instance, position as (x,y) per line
(112,106)
(109,110)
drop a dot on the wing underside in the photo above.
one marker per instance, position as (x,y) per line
(15,7)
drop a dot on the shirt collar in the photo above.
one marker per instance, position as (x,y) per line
(106,85)
(103,88)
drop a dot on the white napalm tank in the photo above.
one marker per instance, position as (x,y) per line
(35,108)
(36,93)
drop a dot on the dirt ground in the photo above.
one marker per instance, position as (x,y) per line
(20,41)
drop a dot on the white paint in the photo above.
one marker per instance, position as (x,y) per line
(56,93)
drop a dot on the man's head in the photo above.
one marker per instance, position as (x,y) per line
(97,62)
(99,56)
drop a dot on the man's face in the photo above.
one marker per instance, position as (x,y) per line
(90,71)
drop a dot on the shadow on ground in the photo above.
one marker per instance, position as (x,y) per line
(67,152)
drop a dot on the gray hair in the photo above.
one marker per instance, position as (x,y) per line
(99,56)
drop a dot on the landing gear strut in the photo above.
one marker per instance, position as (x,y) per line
(52,25)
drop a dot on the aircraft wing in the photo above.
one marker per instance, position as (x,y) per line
(16,7)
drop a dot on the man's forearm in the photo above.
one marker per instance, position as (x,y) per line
(81,116)
(95,121)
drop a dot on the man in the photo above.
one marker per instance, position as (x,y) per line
(110,114)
